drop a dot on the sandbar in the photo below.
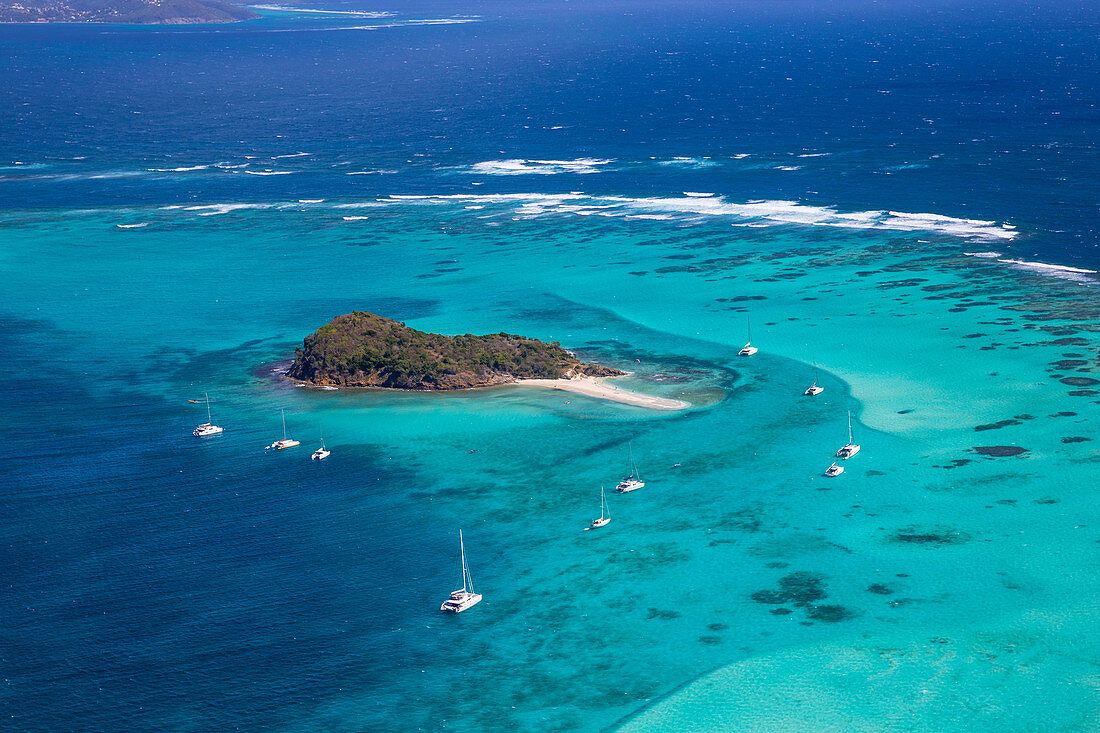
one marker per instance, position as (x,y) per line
(598,388)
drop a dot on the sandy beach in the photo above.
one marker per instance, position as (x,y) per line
(600,389)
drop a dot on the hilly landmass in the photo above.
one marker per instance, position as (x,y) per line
(139,12)
(362,349)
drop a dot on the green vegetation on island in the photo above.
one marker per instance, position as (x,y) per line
(362,349)
(138,12)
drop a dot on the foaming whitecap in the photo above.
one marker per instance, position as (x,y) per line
(315,11)
(750,213)
(1077,274)
(690,163)
(520,167)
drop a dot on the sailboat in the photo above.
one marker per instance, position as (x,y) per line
(834,470)
(285,442)
(208,427)
(321,453)
(633,482)
(464,597)
(605,513)
(850,448)
(748,349)
(813,390)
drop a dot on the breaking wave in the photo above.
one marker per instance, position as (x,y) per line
(520,166)
(750,213)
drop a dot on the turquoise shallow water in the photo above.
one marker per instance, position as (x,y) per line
(199,584)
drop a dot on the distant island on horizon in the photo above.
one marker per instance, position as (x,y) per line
(137,12)
(361,349)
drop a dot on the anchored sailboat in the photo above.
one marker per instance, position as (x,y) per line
(321,453)
(208,427)
(748,349)
(285,442)
(464,597)
(850,448)
(813,390)
(605,513)
(633,482)
(834,470)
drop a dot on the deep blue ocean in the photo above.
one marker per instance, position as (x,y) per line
(885,188)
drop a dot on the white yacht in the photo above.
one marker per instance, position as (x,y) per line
(834,470)
(748,349)
(321,453)
(208,427)
(605,513)
(813,390)
(464,597)
(633,482)
(285,442)
(850,448)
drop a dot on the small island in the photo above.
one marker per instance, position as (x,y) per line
(137,12)
(362,349)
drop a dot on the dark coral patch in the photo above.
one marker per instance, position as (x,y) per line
(880,589)
(801,589)
(662,614)
(935,536)
(997,425)
(1079,381)
(830,614)
(773,597)
(998,451)
(1076,439)
(1083,393)
(781,611)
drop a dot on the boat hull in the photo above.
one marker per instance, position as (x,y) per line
(627,486)
(283,444)
(319,455)
(460,601)
(207,429)
(847,451)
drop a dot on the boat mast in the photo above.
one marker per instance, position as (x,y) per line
(283,413)
(603,504)
(467,579)
(209,419)
(849,427)
(748,325)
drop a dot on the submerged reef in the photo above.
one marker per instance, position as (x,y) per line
(933,536)
(998,451)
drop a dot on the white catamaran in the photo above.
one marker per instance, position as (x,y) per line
(285,442)
(633,482)
(321,453)
(605,513)
(464,597)
(850,448)
(748,349)
(208,427)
